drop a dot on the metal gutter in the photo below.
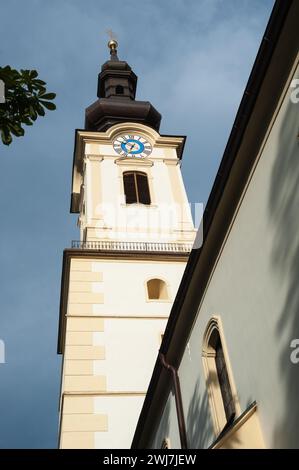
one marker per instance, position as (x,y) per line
(178,401)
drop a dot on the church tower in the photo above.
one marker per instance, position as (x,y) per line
(120,279)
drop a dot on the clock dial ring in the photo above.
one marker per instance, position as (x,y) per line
(132,145)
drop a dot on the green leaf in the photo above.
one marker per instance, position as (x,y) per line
(16,130)
(33,74)
(48,96)
(40,110)
(26,120)
(33,113)
(6,137)
(48,105)
(39,82)
(26,99)
(41,90)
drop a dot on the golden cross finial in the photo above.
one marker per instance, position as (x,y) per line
(112,43)
(111,34)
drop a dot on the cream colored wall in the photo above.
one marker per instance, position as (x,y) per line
(125,286)
(94,422)
(131,347)
(167,219)
(123,411)
(113,334)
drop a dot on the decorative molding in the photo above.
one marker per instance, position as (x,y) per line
(171,161)
(131,161)
(94,158)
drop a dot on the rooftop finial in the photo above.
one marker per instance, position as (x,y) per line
(112,44)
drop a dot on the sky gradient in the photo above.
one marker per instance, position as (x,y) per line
(193,59)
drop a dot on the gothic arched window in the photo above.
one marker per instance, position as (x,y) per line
(136,187)
(219,382)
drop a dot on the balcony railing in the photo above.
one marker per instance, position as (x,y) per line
(133,246)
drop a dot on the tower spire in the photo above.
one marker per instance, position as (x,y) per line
(116,96)
(113,45)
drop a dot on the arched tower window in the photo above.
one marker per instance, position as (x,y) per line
(219,382)
(136,187)
(119,90)
(157,289)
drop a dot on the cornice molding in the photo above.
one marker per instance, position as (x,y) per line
(94,158)
(130,161)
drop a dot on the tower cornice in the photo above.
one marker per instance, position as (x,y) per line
(94,140)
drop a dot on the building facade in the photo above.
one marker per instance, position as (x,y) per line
(234,327)
(119,280)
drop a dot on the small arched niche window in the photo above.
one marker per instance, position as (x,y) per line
(157,289)
(119,90)
(136,187)
(219,382)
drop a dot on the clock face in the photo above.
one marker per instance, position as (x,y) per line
(132,146)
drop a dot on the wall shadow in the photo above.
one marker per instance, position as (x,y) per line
(199,425)
(284,216)
(198,420)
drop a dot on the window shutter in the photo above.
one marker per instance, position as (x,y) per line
(143,189)
(130,188)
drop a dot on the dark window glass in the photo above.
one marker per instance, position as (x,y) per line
(130,188)
(136,188)
(224,384)
(119,90)
(143,189)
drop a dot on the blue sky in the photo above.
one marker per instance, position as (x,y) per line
(193,58)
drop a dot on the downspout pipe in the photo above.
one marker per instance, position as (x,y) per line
(178,400)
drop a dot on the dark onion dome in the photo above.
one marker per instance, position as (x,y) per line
(116,92)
